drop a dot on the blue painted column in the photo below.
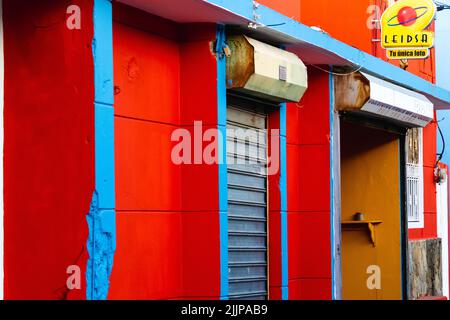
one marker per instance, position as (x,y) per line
(283,205)
(332,200)
(335,197)
(101,218)
(223,180)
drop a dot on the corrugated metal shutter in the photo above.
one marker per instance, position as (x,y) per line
(247,201)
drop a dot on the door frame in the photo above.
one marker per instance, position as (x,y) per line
(399,130)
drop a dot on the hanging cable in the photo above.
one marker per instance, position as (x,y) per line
(441,6)
(440,155)
(335,73)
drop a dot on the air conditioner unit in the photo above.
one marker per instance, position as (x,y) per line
(262,70)
(365,94)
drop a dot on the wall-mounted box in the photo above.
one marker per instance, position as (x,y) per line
(366,94)
(262,70)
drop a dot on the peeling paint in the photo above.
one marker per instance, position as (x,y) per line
(101,246)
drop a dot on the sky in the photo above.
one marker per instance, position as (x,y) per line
(442,45)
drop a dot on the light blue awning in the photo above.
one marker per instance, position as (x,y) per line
(312,46)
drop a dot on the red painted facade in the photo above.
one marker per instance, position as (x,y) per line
(308,191)
(49,151)
(429,163)
(167,215)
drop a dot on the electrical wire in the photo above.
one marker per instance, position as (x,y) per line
(440,155)
(335,73)
(275,25)
(441,6)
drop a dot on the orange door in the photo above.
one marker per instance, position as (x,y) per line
(371,248)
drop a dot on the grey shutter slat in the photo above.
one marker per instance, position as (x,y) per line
(247,204)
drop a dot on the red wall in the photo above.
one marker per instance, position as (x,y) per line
(274,212)
(429,163)
(308,181)
(49,151)
(290,8)
(199,183)
(344,20)
(167,215)
(147,263)
(168,235)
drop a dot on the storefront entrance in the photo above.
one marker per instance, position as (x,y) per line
(372,212)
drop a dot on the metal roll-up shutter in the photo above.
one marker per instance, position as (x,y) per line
(247,202)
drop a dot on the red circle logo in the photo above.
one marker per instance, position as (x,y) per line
(407,16)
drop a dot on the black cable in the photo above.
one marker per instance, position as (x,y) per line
(441,7)
(276,24)
(443,143)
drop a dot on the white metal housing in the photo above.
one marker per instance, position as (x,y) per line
(263,70)
(391,101)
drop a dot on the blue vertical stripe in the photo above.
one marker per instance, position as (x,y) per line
(223,182)
(104,155)
(102,47)
(101,218)
(283,205)
(332,209)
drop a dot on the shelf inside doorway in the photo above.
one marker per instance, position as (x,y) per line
(368,225)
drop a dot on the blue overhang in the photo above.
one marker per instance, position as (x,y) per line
(312,46)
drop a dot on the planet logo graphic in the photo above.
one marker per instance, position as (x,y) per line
(403,29)
(412,14)
(407,16)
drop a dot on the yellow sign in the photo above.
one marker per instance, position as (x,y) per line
(402,29)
